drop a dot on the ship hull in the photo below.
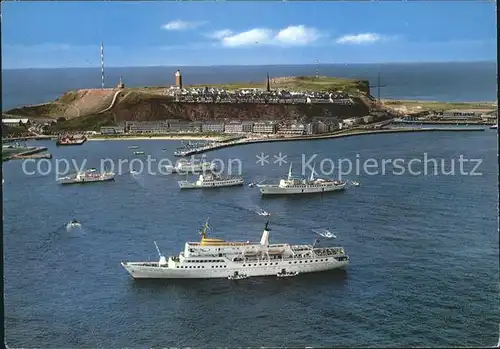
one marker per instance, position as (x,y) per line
(86,180)
(190,169)
(194,185)
(79,142)
(277,190)
(143,272)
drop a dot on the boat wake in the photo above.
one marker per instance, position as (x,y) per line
(73,225)
(325,233)
(262,212)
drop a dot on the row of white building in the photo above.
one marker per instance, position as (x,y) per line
(318,125)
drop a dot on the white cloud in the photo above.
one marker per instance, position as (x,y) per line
(292,35)
(220,34)
(298,35)
(364,38)
(181,25)
(257,36)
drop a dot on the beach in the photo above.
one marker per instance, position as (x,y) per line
(142,138)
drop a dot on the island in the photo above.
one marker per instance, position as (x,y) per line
(294,105)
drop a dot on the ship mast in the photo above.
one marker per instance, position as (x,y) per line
(204,229)
(290,172)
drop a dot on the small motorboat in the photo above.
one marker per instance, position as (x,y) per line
(251,185)
(287,274)
(237,276)
(494,127)
(134,147)
(326,234)
(73,224)
(139,153)
(354,183)
(134,172)
(263,213)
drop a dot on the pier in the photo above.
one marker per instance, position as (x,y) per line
(26,153)
(339,134)
(36,138)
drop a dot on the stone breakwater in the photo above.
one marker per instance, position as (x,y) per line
(341,134)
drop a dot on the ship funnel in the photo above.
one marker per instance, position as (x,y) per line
(264,240)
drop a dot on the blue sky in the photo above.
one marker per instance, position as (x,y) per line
(68,34)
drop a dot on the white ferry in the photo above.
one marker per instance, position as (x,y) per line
(216,258)
(210,180)
(194,166)
(89,176)
(295,185)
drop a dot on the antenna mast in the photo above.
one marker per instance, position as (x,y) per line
(317,69)
(378,86)
(102,64)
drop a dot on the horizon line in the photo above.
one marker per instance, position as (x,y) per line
(252,65)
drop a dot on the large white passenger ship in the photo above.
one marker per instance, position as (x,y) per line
(211,180)
(295,185)
(216,258)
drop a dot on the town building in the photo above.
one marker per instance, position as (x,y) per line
(112,130)
(264,127)
(147,127)
(368,119)
(233,127)
(247,126)
(12,122)
(212,126)
(184,126)
(292,129)
(351,122)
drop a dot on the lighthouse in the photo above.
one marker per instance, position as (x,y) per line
(178,79)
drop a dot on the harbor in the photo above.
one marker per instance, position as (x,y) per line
(340,134)
(284,175)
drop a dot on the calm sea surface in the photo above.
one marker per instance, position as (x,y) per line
(475,81)
(424,252)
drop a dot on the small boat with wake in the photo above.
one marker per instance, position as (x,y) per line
(262,212)
(325,233)
(73,224)
(139,153)
(134,147)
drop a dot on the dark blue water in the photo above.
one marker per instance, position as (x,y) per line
(424,252)
(474,81)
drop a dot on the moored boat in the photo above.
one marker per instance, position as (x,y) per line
(71,140)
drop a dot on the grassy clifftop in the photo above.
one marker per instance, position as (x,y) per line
(301,83)
(93,102)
